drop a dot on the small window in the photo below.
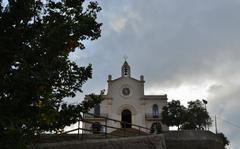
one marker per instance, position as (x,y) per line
(155,111)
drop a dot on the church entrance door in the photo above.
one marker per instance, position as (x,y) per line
(126,117)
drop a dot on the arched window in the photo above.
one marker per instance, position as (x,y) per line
(97,110)
(125,71)
(155,111)
(96,127)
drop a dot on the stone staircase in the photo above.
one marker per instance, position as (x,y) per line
(127,132)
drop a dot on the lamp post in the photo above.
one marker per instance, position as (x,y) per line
(205,104)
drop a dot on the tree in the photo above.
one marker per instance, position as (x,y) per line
(36,73)
(196,116)
(224,139)
(173,114)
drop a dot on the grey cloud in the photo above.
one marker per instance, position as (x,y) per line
(172,43)
(224,102)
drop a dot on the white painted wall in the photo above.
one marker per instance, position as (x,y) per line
(136,102)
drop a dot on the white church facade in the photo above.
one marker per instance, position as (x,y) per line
(125,101)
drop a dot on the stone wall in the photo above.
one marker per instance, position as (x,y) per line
(141,142)
(168,140)
(192,140)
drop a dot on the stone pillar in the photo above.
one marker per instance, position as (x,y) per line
(141,78)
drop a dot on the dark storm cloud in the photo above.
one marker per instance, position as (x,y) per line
(172,43)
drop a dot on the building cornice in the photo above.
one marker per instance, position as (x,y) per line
(155,97)
(140,81)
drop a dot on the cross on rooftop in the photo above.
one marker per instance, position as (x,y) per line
(125,57)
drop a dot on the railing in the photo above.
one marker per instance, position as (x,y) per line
(152,116)
(124,131)
(90,116)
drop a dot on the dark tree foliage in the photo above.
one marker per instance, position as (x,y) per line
(173,114)
(193,117)
(36,73)
(156,128)
(196,116)
(224,139)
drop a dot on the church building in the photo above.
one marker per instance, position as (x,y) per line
(125,101)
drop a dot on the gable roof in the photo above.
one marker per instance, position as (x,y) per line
(114,80)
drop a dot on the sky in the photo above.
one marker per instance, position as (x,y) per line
(187,49)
